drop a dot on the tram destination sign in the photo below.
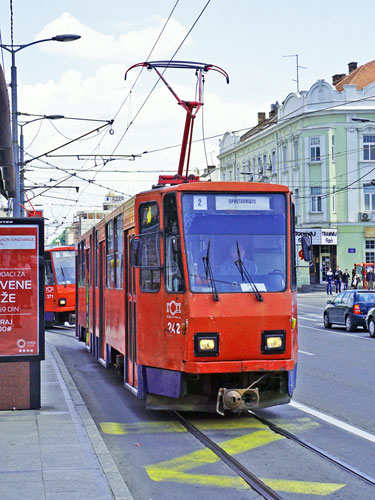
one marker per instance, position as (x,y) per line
(21,286)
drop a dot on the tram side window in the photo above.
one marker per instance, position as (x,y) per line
(174,277)
(81,263)
(96,259)
(48,276)
(119,252)
(110,256)
(150,236)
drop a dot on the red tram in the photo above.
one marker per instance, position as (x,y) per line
(60,289)
(192,288)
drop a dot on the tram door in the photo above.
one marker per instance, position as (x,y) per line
(131,324)
(101,300)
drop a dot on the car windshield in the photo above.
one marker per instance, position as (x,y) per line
(247,228)
(64,264)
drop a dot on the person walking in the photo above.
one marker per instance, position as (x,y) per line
(329,280)
(370,277)
(345,279)
(338,279)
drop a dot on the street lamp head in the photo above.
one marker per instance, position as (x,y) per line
(66,38)
(53,117)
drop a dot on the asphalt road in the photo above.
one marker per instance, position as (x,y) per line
(159,462)
(336,369)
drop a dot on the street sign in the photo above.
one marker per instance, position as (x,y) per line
(351,250)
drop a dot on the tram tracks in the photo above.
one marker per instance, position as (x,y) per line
(251,479)
(318,451)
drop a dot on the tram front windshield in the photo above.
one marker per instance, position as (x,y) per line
(234,233)
(64,264)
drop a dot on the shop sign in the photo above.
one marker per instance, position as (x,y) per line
(19,290)
(318,235)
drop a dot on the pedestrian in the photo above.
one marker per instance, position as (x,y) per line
(329,280)
(356,280)
(338,279)
(345,279)
(370,277)
(354,273)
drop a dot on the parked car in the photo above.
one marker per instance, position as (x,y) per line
(370,322)
(349,308)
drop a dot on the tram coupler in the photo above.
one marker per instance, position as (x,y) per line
(236,400)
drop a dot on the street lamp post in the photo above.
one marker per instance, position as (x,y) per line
(21,164)
(13,49)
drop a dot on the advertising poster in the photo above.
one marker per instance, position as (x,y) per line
(19,290)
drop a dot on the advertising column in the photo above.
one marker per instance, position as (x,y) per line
(21,312)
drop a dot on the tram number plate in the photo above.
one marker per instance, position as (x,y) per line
(174,328)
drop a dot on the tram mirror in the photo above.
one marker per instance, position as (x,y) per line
(306,248)
(135,252)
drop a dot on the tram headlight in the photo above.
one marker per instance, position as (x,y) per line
(273,342)
(206,344)
(62,302)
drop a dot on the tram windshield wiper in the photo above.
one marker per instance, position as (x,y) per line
(63,275)
(208,271)
(246,275)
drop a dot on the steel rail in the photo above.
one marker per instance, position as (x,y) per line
(253,481)
(315,449)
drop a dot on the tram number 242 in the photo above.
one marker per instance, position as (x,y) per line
(174,328)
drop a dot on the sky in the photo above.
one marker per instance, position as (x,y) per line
(84,82)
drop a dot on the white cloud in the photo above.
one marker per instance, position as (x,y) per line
(134,45)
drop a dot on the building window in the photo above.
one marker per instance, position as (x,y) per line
(260,166)
(265,162)
(315,149)
(296,157)
(273,161)
(316,199)
(296,201)
(369,196)
(333,148)
(369,147)
(285,157)
(370,251)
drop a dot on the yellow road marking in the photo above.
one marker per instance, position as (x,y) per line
(303,487)
(301,424)
(175,470)
(141,427)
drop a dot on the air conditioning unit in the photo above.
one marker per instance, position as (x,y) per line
(365,216)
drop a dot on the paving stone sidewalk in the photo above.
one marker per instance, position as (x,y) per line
(57,452)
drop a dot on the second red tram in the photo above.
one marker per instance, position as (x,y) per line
(60,289)
(193,288)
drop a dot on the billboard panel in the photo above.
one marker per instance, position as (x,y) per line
(21,300)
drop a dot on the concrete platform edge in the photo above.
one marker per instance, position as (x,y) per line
(109,468)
